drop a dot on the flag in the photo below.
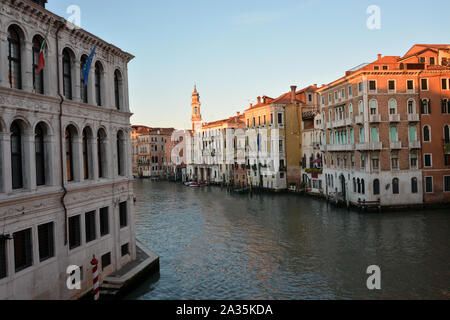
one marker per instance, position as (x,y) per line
(87,67)
(41,64)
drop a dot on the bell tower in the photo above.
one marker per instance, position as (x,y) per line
(196,114)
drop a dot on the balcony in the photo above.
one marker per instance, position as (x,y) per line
(396,145)
(394,118)
(414,145)
(340,147)
(349,122)
(375,118)
(323,148)
(369,146)
(329,125)
(339,123)
(359,119)
(414,117)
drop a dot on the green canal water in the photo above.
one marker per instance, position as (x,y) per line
(215,245)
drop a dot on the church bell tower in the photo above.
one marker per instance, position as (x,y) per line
(196,114)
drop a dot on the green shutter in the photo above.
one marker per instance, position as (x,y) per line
(374,134)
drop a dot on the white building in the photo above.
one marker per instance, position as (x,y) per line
(66,187)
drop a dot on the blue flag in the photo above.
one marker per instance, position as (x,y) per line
(87,67)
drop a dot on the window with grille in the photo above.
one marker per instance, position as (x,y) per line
(46,241)
(123,214)
(23,250)
(104,221)
(89,220)
(74,232)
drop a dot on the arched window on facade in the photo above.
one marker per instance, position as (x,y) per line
(361,107)
(426,134)
(376,187)
(67,73)
(39,148)
(120,153)
(373,104)
(70,136)
(16,155)
(98,83)
(363,187)
(411,106)
(101,153)
(15,57)
(83,85)
(395,186)
(359,185)
(118,89)
(87,156)
(414,185)
(392,106)
(38,78)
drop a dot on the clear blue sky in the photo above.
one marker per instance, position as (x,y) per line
(237,50)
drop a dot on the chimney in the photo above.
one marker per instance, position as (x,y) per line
(251,105)
(259,100)
(238,114)
(379,56)
(293,94)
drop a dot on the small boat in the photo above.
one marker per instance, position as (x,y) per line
(242,191)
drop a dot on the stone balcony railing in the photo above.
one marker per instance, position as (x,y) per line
(396,145)
(414,145)
(349,122)
(359,119)
(339,123)
(394,118)
(369,146)
(340,147)
(414,117)
(375,118)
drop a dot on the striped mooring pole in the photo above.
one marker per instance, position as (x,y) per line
(96,290)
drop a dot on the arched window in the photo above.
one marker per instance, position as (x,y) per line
(425,106)
(87,135)
(350,110)
(67,73)
(392,106)
(98,83)
(16,155)
(83,85)
(395,186)
(361,107)
(118,89)
(414,185)
(363,187)
(38,78)
(411,106)
(101,153)
(359,185)
(39,149)
(447,134)
(373,106)
(70,134)
(376,187)
(354,185)
(14,57)
(426,134)
(412,133)
(120,153)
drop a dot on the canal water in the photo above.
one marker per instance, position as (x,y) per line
(215,245)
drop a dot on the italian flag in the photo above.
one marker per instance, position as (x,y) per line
(41,64)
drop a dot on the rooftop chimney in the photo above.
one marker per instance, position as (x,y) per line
(251,105)
(293,94)
(259,100)
(379,56)
(238,113)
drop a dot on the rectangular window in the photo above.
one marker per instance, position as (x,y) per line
(413,159)
(46,241)
(432,61)
(428,161)
(444,84)
(429,184)
(410,85)
(391,85)
(343,93)
(447,184)
(280,118)
(360,87)
(385,68)
(74,232)
(447,159)
(125,250)
(106,260)
(104,221)
(271,118)
(3,260)
(23,250)
(123,214)
(350,91)
(372,85)
(90,226)
(394,162)
(424,83)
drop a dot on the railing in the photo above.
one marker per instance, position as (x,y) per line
(369,146)
(339,123)
(359,119)
(349,121)
(414,144)
(414,117)
(340,147)
(394,118)
(396,145)
(375,118)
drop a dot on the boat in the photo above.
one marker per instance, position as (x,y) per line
(242,191)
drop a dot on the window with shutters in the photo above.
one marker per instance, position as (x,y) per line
(394,162)
(74,232)
(46,241)
(23,250)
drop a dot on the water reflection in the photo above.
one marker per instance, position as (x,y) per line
(214,245)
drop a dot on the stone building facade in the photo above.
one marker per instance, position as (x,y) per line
(66,186)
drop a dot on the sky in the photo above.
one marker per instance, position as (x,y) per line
(237,50)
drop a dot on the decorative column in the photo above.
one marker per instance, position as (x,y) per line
(76,94)
(93,147)
(4,60)
(77,158)
(5,154)
(29,165)
(27,67)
